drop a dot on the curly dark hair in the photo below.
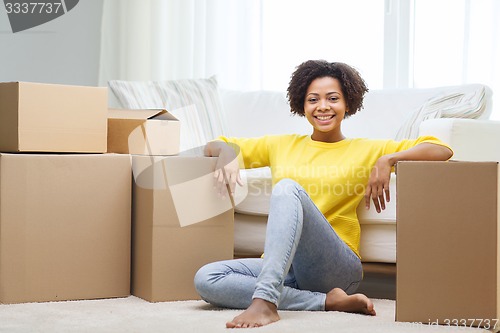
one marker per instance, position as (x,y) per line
(353,85)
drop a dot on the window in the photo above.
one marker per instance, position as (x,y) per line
(335,30)
(457,42)
(393,43)
(440,37)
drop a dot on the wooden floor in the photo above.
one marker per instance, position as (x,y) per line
(379,281)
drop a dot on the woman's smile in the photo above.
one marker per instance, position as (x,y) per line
(324,117)
(325,108)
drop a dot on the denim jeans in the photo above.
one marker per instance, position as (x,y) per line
(303,260)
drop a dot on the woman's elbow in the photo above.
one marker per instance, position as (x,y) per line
(444,153)
(207,151)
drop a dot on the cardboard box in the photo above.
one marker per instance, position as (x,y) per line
(179,225)
(65,227)
(143,132)
(36,117)
(448,243)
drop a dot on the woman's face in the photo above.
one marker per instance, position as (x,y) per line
(325,108)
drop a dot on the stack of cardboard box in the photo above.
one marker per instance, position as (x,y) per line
(178,222)
(66,203)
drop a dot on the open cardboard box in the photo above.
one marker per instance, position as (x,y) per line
(143,132)
(179,225)
(448,243)
(38,117)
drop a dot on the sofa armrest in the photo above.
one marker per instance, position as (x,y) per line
(471,140)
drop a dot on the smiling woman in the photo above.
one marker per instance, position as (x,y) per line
(311,254)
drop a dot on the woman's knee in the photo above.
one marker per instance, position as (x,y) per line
(202,280)
(209,280)
(286,187)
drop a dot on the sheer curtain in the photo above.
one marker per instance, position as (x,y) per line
(255,44)
(248,44)
(179,39)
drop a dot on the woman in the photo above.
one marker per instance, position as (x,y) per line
(311,258)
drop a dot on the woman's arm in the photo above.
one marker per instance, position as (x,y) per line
(227,169)
(378,185)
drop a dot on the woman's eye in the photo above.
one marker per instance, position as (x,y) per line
(333,99)
(311,100)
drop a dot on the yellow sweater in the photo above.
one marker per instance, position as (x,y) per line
(333,174)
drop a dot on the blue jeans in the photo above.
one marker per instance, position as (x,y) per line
(303,260)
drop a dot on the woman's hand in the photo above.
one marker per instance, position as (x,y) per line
(227,168)
(378,184)
(227,172)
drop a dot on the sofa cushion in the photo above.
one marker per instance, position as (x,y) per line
(259,185)
(195,102)
(386,216)
(258,113)
(378,243)
(472,140)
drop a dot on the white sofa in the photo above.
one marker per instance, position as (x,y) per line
(206,111)
(252,114)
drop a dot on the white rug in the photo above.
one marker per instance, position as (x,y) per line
(133,314)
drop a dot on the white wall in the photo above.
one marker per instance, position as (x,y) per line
(65,50)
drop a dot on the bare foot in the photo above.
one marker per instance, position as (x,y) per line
(259,313)
(338,300)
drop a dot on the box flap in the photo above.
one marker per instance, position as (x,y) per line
(164,116)
(138,114)
(9,120)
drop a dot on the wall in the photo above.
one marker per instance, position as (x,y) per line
(65,50)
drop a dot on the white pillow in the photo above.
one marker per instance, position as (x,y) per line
(192,132)
(467,101)
(195,102)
